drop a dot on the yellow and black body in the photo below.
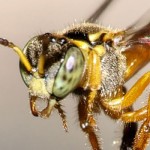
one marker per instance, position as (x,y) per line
(92,62)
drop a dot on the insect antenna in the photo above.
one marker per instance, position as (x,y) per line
(41,64)
(22,56)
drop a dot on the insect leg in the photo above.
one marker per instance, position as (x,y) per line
(135,116)
(143,135)
(129,133)
(130,128)
(90,103)
(131,96)
(127,100)
(111,110)
(86,126)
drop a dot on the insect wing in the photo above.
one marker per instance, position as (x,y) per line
(137,43)
(140,30)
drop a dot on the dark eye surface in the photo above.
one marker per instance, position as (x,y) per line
(69,73)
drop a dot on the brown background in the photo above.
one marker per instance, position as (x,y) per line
(19,21)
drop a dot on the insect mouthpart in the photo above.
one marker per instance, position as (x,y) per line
(38,91)
(37,87)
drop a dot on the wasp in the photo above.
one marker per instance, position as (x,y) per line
(93,62)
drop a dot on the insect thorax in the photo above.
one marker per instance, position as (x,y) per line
(113,68)
(113,63)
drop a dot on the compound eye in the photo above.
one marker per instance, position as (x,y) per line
(70,72)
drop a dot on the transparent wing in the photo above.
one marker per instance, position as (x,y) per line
(137,42)
(93,18)
(140,30)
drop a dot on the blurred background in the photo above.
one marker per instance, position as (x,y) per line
(21,20)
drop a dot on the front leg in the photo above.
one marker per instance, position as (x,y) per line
(90,102)
(88,126)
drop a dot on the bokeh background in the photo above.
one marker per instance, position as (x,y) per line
(20,20)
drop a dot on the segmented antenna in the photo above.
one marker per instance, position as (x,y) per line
(22,56)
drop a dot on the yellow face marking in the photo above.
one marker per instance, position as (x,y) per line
(37,86)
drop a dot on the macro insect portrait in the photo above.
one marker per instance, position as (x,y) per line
(92,63)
